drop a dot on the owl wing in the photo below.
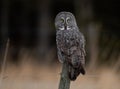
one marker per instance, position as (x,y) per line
(81,47)
(76,50)
(77,56)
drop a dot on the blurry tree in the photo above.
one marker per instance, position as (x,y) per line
(109,40)
(4,12)
(44,28)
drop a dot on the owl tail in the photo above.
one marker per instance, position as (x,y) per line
(74,72)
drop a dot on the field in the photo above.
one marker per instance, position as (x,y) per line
(47,77)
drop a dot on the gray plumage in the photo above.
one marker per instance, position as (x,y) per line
(70,44)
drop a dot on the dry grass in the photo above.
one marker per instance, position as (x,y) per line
(41,77)
(31,76)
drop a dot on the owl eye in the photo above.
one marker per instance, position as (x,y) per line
(62,20)
(68,19)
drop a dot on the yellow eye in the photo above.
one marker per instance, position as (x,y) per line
(68,19)
(62,20)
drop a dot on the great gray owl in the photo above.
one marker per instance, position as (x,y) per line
(70,44)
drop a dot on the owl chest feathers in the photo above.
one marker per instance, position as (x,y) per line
(70,44)
(67,39)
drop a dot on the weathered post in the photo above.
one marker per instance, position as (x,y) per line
(64,80)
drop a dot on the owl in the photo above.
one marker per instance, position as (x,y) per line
(70,44)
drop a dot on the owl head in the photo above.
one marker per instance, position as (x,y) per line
(65,21)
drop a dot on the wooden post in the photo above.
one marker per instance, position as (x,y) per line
(64,80)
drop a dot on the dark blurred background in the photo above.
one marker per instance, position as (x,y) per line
(29,24)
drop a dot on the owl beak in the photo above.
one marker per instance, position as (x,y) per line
(65,26)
